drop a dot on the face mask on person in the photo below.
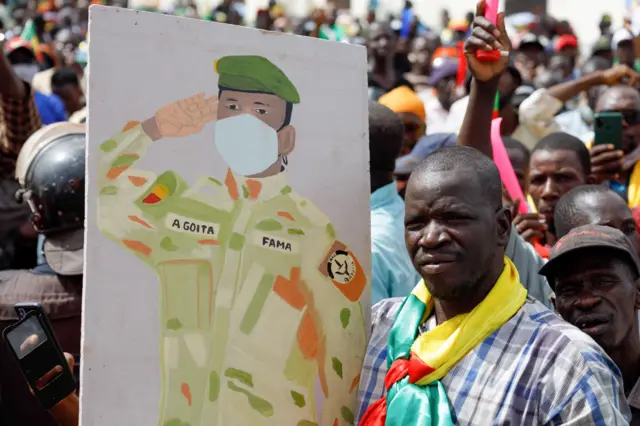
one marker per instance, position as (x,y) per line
(26,71)
(248,145)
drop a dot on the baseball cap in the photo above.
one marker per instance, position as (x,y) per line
(590,236)
(619,36)
(448,67)
(530,39)
(566,40)
(405,165)
(64,252)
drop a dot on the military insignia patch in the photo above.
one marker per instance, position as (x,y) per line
(341,267)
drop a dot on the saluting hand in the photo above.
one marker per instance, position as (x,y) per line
(485,36)
(187,116)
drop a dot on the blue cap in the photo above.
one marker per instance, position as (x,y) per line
(447,68)
(426,145)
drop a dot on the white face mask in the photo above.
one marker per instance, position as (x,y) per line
(26,71)
(247,145)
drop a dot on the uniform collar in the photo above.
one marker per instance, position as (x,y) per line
(258,189)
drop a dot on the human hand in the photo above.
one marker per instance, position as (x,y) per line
(67,411)
(606,163)
(530,226)
(486,37)
(620,74)
(187,116)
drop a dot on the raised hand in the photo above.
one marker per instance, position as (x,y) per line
(485,36)
(606,163)
(187,116)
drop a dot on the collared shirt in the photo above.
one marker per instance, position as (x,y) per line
(19,118)
(634,402)
(393,274)
(535,369)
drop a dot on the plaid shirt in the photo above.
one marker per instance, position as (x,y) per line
(535,370)
(19,119)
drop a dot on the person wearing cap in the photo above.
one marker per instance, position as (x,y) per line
(623,46)
(52,186)
(226,251)
(595,273)
(529,56)
(408,106)
(443,80)
(392,273)
(567,45)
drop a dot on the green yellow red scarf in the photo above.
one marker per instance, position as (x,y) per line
(417,362)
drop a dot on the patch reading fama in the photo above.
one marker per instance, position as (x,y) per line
(341,267)
(277,243)
(179,223)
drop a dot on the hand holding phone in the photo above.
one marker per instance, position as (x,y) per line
(35,348)
(606,153)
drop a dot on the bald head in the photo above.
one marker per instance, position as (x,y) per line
(461,162)
(619,97)
(593,205)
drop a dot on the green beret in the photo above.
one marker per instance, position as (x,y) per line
(254,74)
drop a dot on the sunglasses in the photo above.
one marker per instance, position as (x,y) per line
(630,116)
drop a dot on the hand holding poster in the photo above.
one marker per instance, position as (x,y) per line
(228,181)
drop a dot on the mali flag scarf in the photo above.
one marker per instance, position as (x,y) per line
(417,362)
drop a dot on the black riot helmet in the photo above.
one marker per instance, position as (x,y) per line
(53,183)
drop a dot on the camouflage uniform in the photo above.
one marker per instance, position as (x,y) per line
(260,311)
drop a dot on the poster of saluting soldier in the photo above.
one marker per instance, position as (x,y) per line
(228,253)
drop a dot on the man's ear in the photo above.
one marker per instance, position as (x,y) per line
(503,218)
(286,140)
(638,294)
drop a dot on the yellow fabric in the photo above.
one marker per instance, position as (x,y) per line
(444,346)
(403,99)
(532,205)
(633,191)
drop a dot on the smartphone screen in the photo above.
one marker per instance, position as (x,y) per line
(26,337)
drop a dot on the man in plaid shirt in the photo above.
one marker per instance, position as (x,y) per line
(534,369)
(18,120)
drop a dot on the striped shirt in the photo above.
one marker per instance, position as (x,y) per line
(534,370)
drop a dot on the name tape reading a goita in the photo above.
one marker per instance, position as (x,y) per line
(179,223)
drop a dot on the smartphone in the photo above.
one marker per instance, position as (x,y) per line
(608,129)
(35,348)
(23,308)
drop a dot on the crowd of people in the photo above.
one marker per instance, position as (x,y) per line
(482,314)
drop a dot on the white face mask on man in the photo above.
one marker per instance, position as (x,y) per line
(247,144)
(26,71)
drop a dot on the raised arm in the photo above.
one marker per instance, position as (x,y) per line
(476,127)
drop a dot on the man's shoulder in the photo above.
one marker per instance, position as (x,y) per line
(560,339)
(384,313)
